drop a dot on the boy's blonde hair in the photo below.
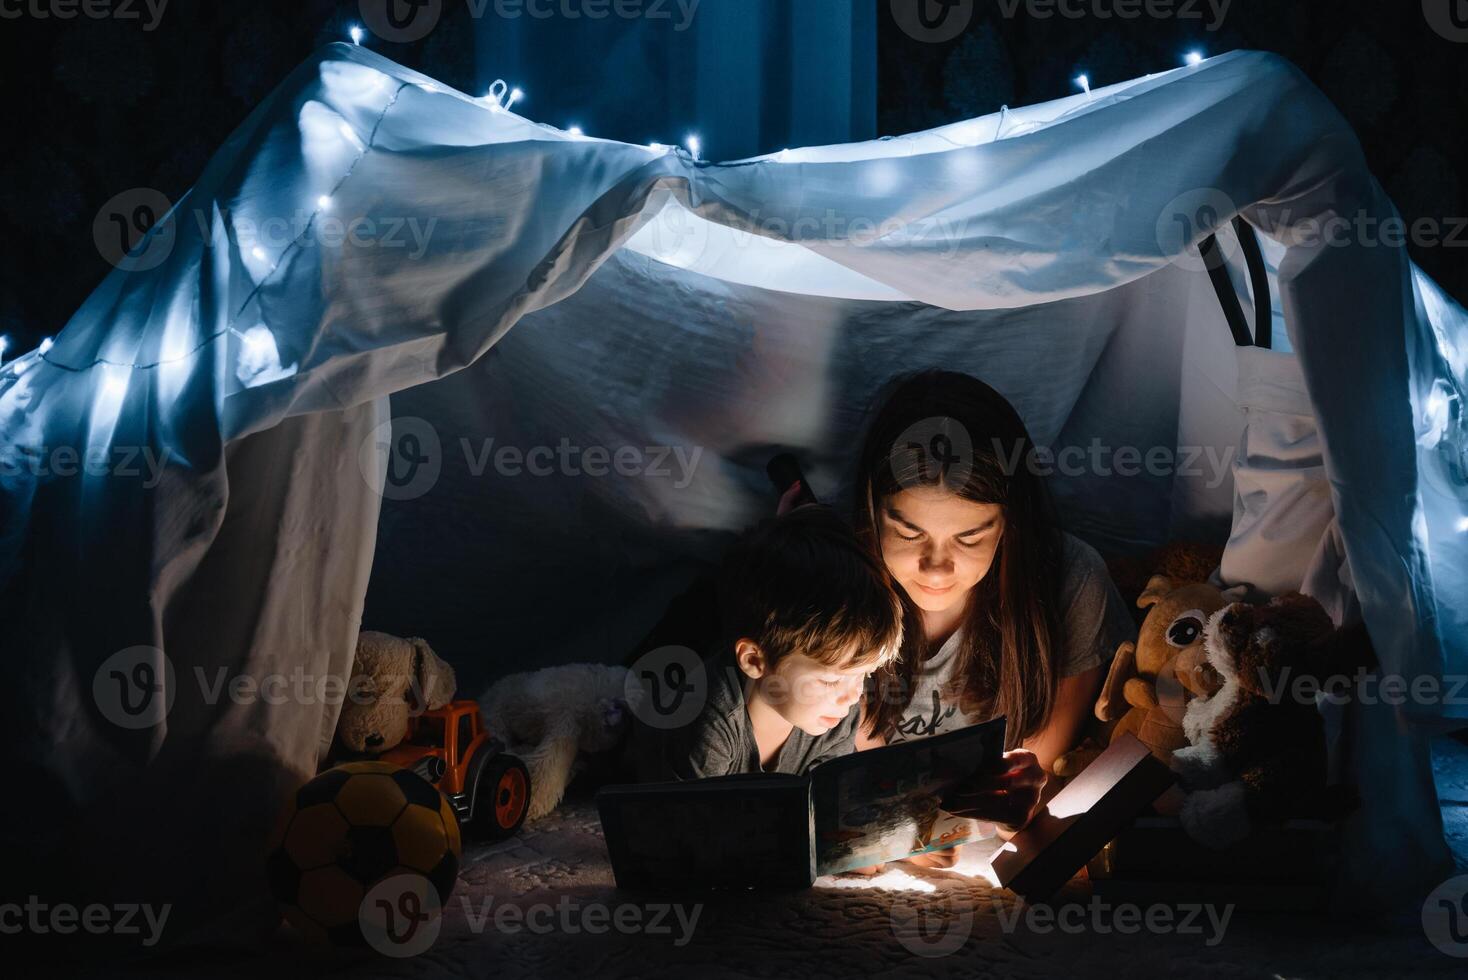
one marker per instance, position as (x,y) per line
(803,583)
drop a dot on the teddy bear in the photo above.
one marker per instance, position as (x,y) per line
(1257,750)
(391,679)
(1151,681)
(551,718)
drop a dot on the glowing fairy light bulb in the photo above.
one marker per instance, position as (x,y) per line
(1193,58)
(694,145)
(356,33)
(1084,82)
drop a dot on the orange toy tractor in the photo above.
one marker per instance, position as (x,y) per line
(449,747)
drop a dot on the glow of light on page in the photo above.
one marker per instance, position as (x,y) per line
(1072,801)
(893,880)
(987,869)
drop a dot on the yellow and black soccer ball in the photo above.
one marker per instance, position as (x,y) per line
(351,828)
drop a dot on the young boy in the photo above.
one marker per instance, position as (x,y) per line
(806,614)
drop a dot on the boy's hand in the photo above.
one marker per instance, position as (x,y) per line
(1007,797)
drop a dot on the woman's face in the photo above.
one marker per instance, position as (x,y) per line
(937,545)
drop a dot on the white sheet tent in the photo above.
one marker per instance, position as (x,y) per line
(659,301)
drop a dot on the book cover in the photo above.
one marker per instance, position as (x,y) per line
(883,804)
(782,831)
(1095,806)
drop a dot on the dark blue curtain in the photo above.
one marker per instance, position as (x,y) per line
(747,76)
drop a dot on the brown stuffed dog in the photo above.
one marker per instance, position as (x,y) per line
(1258,750)
(1152,680)
(391,678)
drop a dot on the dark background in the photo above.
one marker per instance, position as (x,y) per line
(95,107)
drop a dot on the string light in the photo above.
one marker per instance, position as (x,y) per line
(114,384)
(515,96)
(1084,81)
(575,132)
(356,33)
(4,346)
(1463,524)
(1193,58)
(694,144)
(323,202)
(45,345)
(657,147)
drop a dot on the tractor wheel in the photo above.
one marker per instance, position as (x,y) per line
(501,797)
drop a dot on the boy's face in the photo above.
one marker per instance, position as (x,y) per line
(812,696)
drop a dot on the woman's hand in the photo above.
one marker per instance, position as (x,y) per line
(1007,796)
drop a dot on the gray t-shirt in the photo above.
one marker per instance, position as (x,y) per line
(720,740)
(1094,622)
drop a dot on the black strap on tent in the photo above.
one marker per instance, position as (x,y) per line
(1262,334)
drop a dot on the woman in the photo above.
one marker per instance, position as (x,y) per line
(1005,613)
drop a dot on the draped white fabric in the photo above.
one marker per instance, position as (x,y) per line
(754,304)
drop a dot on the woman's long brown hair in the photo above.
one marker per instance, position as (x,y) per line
(941,428)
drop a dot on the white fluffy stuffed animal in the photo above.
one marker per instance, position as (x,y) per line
(547,717)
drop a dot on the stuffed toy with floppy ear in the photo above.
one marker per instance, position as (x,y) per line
(1257,752)
(392,678)
(1145,692)
(552,717)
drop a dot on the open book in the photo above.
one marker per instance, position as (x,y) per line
(773,830)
